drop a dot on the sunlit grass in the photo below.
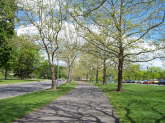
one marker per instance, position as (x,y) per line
(137,103)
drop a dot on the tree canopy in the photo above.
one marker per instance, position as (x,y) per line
(7,26)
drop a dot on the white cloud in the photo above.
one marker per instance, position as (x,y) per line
(155,63)
(26,30)
(70,30)
(33,5)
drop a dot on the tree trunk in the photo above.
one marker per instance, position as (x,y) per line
(120,71)
(53,86)
(97,74)
(69,74)
(104,71)
(21,75)
(121,51)
(87,76)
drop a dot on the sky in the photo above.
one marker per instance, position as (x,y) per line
(24,28)
(30,29)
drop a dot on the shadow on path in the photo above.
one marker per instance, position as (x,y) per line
(85,104)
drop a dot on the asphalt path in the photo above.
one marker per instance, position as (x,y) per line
(85,104)
(22,88)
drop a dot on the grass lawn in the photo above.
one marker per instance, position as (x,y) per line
(138,103)
(13,81)
(17,107)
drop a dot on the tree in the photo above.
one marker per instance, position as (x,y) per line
(87,67)
(27,58)
(13,43)
(132,72)
(125,25)
(43,71)
(98,56)
(47,17)
(7,16)
(69,49)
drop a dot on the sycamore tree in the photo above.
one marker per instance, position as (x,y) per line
(100,58)
(47,16)
(126,27)
(69,49)
(85,67)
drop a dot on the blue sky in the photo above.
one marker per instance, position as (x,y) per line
(152,35)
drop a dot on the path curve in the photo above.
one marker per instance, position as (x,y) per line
(85,104)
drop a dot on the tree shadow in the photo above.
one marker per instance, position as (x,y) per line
(82,105)
(69,112)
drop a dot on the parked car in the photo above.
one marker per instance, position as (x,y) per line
(151,82)
(146,82)
(156,81)
(161,82)
(136,81)
(130,81)
(140,81)
(124,81)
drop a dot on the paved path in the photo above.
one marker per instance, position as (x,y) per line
(85,104)
(11,90)
(22,88)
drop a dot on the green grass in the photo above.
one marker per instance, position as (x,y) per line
(14,81)
(137,103)
(16,107)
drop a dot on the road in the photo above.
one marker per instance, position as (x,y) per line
(22,88)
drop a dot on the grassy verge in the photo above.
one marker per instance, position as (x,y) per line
(14,81)
(17,107)
(138,103)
